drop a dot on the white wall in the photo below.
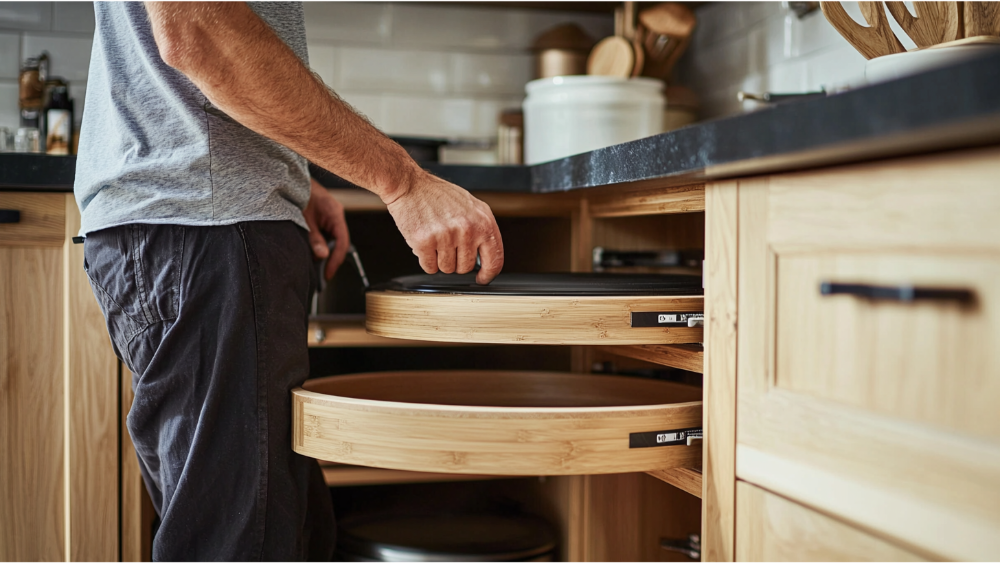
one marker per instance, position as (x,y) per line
(762,47)
(412,69)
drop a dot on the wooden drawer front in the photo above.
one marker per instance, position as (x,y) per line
(882,414)
(43,219)
(932,362)
(496,423)
(771,528)
(526,319)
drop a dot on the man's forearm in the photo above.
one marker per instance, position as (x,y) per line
(245,70)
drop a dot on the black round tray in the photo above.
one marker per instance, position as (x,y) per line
(445,537)
(554,284)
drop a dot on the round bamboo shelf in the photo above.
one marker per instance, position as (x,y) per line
(497,422)
(534,309)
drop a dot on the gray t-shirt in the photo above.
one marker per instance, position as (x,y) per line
(153,149)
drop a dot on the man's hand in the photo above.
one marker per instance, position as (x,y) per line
(324,214)
(446,226)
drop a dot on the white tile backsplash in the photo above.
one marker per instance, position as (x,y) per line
(9,115)
(490,74)
(323,61)
(413,69)
(348,22)
(36,16)
(73,16)
(388,70)
(780,53)
(10,55)
(69,57)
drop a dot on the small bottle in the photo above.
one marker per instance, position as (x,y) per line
(59,121)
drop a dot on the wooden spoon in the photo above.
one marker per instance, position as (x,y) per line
(873,41)
(936,22)
(982,18)
(613,56)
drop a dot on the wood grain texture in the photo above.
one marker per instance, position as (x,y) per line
(612,56)
(43,219)
(524,319)
(650,232)
(890,465)
(629,513)
(721,309)
(690,357)
(352,334)
(935,22)
(353,475)
(982,18)
(678,199)
(686,479)
(493,423)
(772,528)
(32,424)
(91,378)
(136,508)
(873,41)
(895,204)
(928,362)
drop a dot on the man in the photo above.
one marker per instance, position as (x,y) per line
(195,198)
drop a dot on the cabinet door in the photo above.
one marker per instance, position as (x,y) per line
(881,412)
(32,418)
(58,392)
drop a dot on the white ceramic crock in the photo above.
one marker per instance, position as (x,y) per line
(567,115)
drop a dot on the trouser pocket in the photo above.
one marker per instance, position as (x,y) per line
(134,271)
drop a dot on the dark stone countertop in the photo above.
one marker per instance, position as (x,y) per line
(948,108)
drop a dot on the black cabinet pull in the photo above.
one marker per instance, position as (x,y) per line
(897,292)
(10,216)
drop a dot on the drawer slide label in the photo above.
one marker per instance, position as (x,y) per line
(663,319)
(656,439)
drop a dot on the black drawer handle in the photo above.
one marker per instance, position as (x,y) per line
(10,216)
(905,293)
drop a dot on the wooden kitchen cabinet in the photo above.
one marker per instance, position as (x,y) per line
(58,392)
(879,413)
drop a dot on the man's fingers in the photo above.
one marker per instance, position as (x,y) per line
(491,256)
(466,258)
(317,242)
(447,258)
(343,238)
(428,260)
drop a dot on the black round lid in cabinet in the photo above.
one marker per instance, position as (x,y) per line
(539,308)
(447,537)
(551,284)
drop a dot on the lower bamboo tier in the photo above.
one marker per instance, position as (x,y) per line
(496,422)
(520,319)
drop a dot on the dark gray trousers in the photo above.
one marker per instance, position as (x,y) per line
(212,323)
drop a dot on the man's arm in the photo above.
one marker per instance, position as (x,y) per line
(245,70)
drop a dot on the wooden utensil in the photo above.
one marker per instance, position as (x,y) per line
(668,28)
(612,56)
(873,41)
(982,18)
(615,56)
(936,22)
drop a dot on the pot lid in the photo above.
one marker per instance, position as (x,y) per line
(449,537)
(551,284)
